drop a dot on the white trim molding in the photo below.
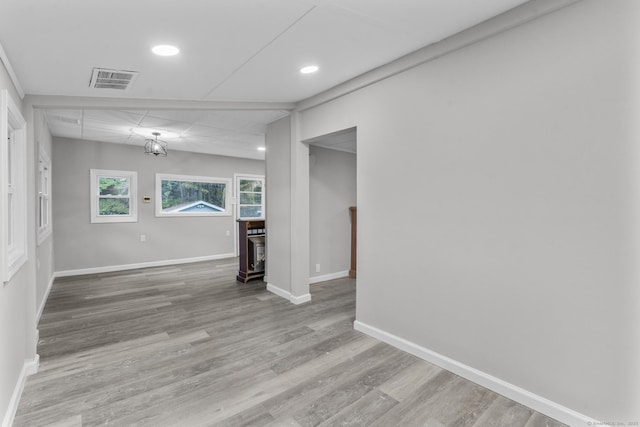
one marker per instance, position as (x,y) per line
(287,295)
(13,188)
(14,78)
(43,206)
(112,268)
(327,277)
(300,299)
(30,367)
(44,300)
(176,211)
(513,392)
(96,176)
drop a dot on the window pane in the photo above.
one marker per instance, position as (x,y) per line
(114,186)
(250,211)
(189,196)
(250,198)
(251,185)
(114,207)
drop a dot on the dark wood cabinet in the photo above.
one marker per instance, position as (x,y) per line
(251,245)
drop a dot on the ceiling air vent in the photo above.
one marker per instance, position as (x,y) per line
(112,79)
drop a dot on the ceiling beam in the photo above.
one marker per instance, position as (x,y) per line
(510,19)
(95,103)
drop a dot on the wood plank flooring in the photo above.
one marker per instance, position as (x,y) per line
(188,346)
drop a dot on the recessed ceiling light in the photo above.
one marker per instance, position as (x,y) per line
(165,50)
(262,148)
(309,69)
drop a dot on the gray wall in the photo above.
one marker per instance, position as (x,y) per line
(44,249)
(332,190)
(278,266)
(498,205)
(82,245)
(18,335)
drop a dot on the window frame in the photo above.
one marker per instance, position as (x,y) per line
(228,211)
(13,188)
(249,177)
(43,214)
(132,176)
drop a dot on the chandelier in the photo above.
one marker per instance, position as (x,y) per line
(155,146)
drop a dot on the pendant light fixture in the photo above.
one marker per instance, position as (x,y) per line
(155,146)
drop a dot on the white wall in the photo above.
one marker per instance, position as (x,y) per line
(18,334)
(332,190)
(498,191)
(80,245)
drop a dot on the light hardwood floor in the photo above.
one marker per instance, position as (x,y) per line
(189,346)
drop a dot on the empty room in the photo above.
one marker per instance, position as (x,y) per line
(320,213)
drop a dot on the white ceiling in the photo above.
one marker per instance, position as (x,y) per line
(231,50)
(227,133)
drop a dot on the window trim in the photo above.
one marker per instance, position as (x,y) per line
(95,175)
(13,252)
(243,176)
(44,195)
(228,211)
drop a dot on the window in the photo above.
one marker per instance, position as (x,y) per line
(13,188)
(44,196)
(113,196)
(182,195)
(250,196)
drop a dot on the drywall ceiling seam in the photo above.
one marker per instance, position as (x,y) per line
(262,48)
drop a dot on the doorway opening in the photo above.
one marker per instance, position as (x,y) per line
(332,195)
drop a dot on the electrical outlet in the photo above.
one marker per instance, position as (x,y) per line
(228,233)
(143,238)
(317,268)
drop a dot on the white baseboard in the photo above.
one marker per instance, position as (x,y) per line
(276,290)
(30,367)
(44,298)
(301,299)
(326,277)
(513,392)
(109,269)
(287,295)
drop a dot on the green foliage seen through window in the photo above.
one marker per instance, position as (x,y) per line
(176,193)
(114,192)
